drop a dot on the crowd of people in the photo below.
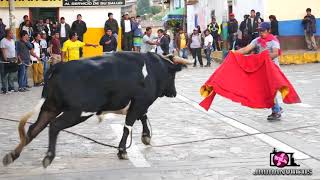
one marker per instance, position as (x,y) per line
(47,42)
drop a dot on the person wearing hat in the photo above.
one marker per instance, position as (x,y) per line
(112,24)
(108,42)
(127,33)
(266,41)
(232,31)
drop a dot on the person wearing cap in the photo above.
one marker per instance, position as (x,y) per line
(232,31)
(80,27)
(195,44)
(266,41)
(127,33)
(112,24)
(108,42)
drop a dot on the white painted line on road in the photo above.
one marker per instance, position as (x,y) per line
(135,156)
(304,105)
(250,130)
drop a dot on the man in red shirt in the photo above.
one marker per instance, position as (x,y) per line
(55,48)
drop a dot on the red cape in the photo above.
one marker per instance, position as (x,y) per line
(250,80)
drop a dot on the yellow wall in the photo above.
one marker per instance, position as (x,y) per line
(291,9)
(93,36)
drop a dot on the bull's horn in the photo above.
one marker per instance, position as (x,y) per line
(179,60)
(166,57)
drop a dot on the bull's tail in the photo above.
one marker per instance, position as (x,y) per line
(10,157)
(24,120)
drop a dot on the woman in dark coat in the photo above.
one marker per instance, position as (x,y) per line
(274,25)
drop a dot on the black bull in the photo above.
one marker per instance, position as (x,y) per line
(125,83)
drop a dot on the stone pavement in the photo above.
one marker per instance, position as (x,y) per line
(232,155)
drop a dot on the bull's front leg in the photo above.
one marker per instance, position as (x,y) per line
(135,111)
(145,137)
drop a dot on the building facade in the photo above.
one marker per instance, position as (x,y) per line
(288,12)
(93,12)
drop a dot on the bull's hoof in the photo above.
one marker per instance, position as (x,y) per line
(146,140)
(7,159)
(122,155)
(47,161)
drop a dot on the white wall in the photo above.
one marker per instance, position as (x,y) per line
(296,10)
(203,9)
(242,7)
(19,13)
(94,17)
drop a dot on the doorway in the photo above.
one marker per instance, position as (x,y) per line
(44,13)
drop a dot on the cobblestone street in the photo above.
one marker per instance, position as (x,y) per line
(226,143)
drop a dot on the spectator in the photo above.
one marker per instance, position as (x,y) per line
(162,43)
(55,48)
(137,34)
(71,48)
(232,31)
(258,17)
(108,42)
(309,24)
(127,34)
(244,28)
(274,25)
(37,66)
(40,27)
(208,40)
(28,27)
(147,41)
(181,43)
(253,25)
(64,29)
(80,28)
(25,18)
(213,28)
(199,29)
(44,52)
(112,24)
(49,29)
(2,29)
(195,44)
(23,52)
(8,51)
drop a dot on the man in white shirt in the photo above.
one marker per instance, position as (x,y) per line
(64,29)
(208,40)
(148,44)
(36,61)
(127,33)
(8,51)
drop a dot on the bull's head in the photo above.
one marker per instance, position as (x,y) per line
(175,64)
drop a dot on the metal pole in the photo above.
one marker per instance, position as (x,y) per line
(11,17)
